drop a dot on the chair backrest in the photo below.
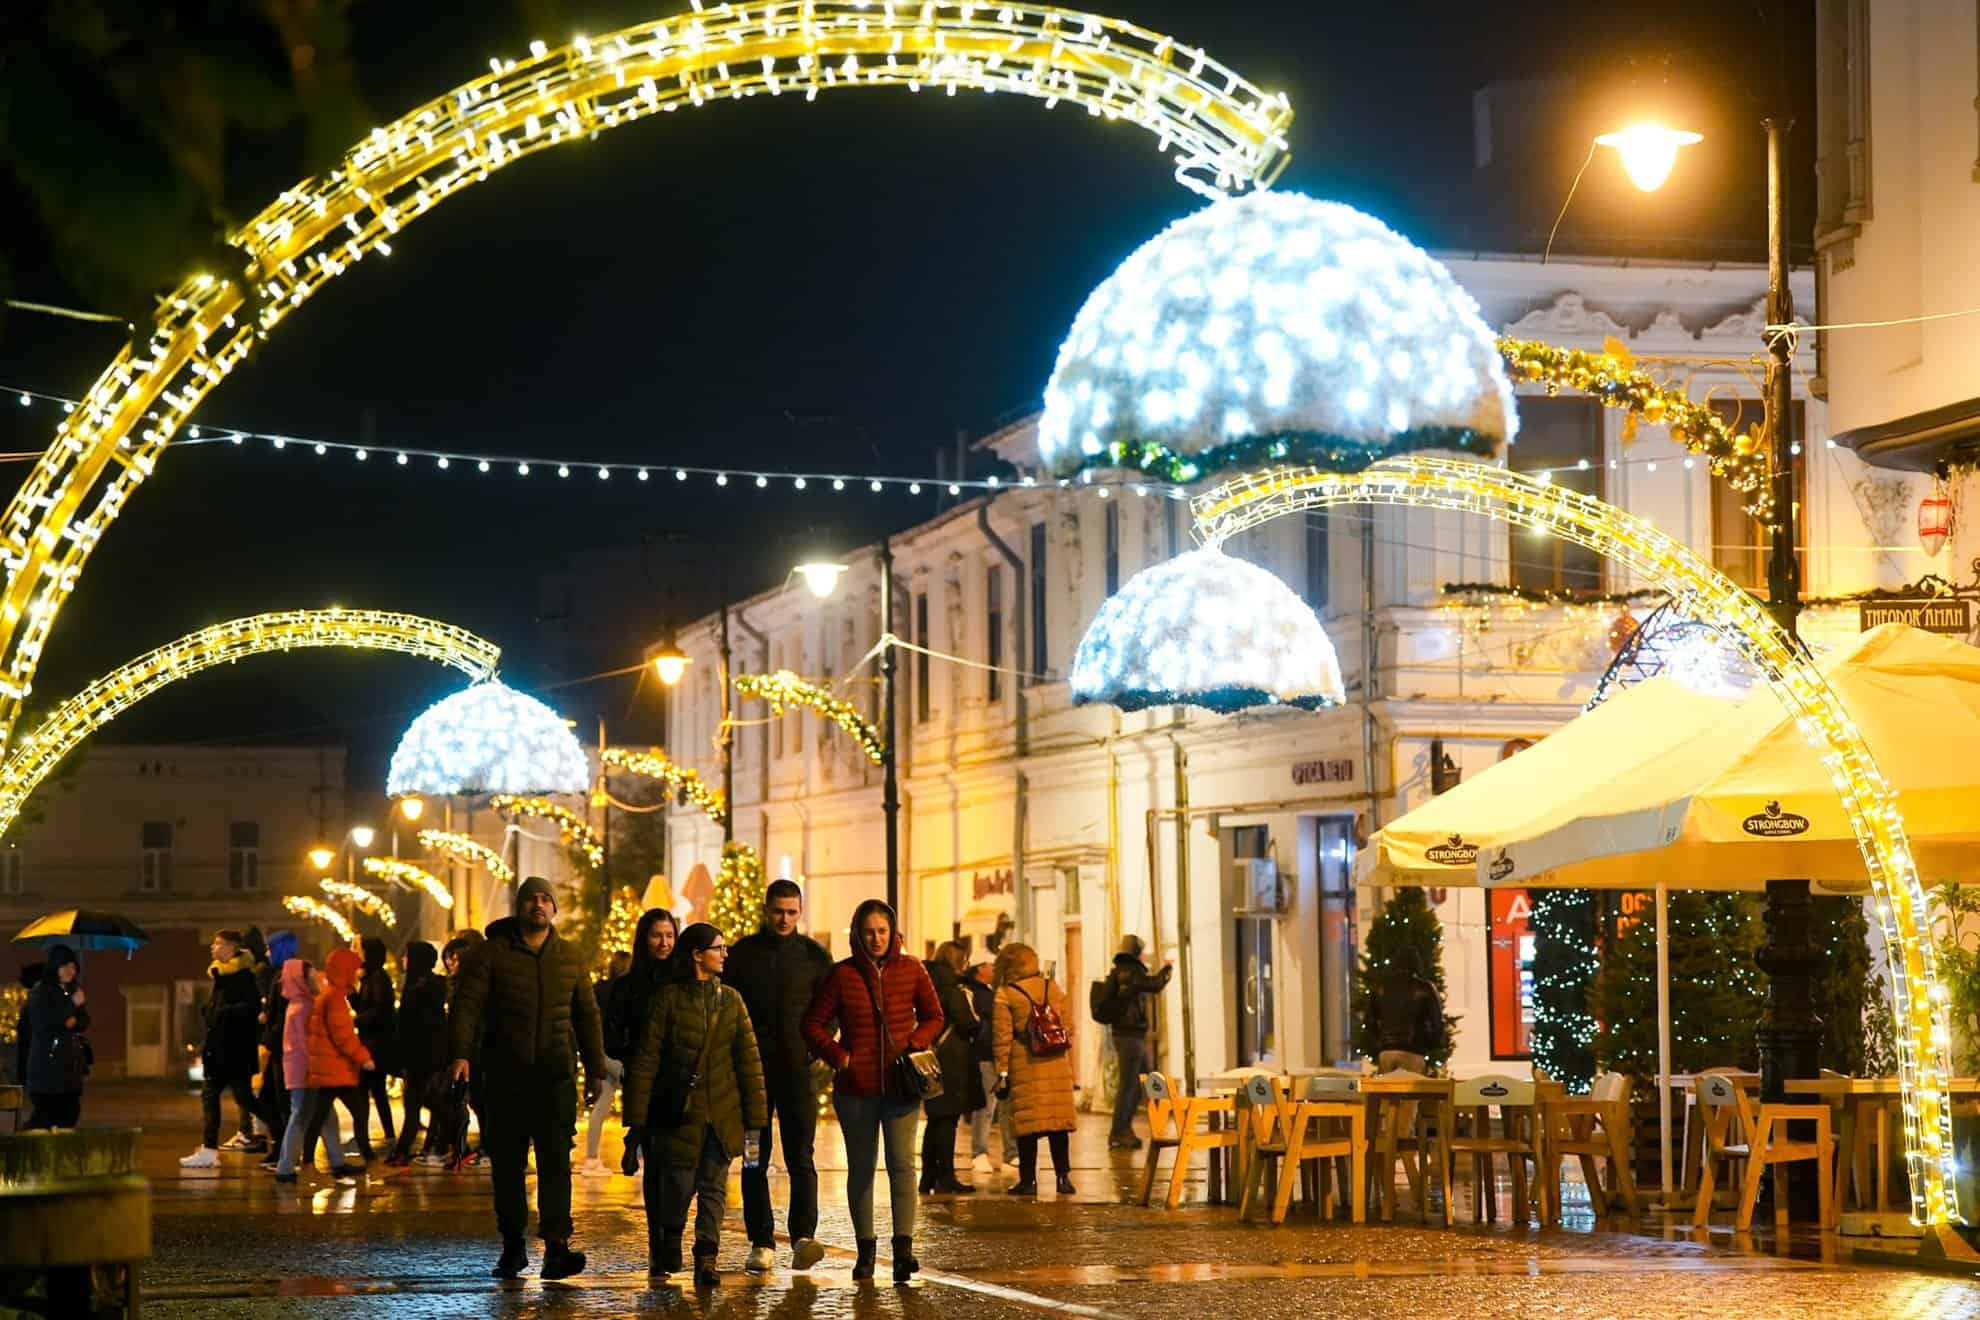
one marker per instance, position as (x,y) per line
(1610,1086)
(1329,1086)
(1715,1089)
(1257,1092)
(1493,1089)
(1157,1086)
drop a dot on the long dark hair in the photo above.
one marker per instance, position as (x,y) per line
(680,963)
(643,960)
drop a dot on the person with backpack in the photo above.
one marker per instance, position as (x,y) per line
(1033,1052)
(1122,1002)
(871,1011)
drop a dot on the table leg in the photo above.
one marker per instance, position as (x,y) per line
(1845,1151)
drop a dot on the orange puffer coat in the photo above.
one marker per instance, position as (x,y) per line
(335,1053)
(1041,1089)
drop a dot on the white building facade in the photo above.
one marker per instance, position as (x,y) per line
(1026,817)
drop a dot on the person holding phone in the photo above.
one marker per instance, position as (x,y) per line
(694,1100)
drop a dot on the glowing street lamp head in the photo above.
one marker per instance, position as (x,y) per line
(822,579)
(670,663)
(320,857)
(1649,151)
(362,835)
(411,807)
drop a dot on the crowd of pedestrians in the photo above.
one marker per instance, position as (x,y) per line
(709,1050)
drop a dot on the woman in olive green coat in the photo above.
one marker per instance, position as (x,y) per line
(697,1058)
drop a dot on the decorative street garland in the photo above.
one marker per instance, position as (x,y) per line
(315,909)
(1551,595)
(405,873)
(1333,452)
(682,781)
(784,688)
(570,825)
(362,899)
(1615,380)
(468,850)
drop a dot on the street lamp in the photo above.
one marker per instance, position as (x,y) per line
(411,807)
(321,856)
(362,835)
(670,663)
(1648,151)
(822,577)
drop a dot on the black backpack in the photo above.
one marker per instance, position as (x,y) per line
(1105,1002)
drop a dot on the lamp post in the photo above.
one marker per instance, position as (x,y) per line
(1790,1034)
(823,579)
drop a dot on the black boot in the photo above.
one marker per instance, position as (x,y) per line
(1065,1185)
(904,1262)
(663,1252)
(515,1259)
(559,1261)
(863,1267)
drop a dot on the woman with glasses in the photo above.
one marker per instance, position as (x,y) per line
(870,1011)
(694,1100)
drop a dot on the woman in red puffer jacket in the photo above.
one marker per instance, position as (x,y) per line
(336,1058)
(883,1006)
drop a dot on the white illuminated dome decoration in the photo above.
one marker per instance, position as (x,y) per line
(1204,629)
(1274,327)
(488,739)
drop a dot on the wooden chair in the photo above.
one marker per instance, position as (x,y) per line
(1180,1123)
(1592,1127)
(1767,1144)
(1264,1129)
(1522,1138)
(1329,1126)
(1394,1142)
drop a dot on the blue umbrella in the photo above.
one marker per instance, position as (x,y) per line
(84,929)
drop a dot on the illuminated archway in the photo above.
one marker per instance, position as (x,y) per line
(1923,1035)
(109,696)
(1226,133)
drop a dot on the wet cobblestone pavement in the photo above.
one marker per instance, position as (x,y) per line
(418,1243)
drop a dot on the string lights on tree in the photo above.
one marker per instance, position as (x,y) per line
(784,689)
(315,909)
(415,877)
(362,899)
(684,782)
(736,906)
(621,925)
(571,827)
(461,847)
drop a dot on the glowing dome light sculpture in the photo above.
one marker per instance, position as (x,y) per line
(1274,327)
(487,739)
(1204,629)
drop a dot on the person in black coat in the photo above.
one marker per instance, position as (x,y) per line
(962,1081)
(421,1033)
(23,1033)
(59,1057)
(231,1056)
(982,1051)
(1131,994)
(273,1100)
(374,1013)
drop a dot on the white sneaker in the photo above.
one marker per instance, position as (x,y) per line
(594,1169)
(761,1261)
(981,1164)
(204,1158)
(431,1161)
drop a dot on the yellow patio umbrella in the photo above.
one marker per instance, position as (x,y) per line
(1753,802)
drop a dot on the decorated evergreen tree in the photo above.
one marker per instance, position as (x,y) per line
(1717,990)
(1564,965)
(1404,924)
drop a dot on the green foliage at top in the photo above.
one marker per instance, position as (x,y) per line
(1958,906)
(1843,983)
(1405,922)
(1717,990)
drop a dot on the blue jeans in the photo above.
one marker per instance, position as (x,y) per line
(863,1121)
(301,1102)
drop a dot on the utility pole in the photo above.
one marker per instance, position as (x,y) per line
(890,789)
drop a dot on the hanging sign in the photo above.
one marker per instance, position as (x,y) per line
(1948,616)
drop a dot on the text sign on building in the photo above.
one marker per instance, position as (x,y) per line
(1952,618)
(1332,770)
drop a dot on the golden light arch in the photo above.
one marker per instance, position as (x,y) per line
(222,644)
(1226,134)
(1923,1034)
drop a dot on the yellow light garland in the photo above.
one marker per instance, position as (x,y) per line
(680,780)
(571,826)
(736,906)
(621,924)
(314,909)
(1703,593)
(1614,379)
(468,850)
(405,873)
(783,689)
(37,754)
(362,899)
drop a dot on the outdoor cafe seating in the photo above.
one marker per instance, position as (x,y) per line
(1738,1132)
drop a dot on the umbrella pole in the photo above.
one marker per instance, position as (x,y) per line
(1664,1032)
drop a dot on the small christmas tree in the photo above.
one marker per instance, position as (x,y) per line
(1564,966)
(1404,924)
(736,906)
(1717,991)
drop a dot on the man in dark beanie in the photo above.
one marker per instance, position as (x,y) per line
(524,1012)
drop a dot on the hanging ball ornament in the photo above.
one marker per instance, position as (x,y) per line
(1935,521)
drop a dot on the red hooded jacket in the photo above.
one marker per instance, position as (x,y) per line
(335,1052)
(881,1011)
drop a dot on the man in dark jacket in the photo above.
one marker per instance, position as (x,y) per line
(1409,1019)
(421,1035)
(230,1056)
(375,1014)
(776,971)
(1133,1008)
(273,1101)
(525,997)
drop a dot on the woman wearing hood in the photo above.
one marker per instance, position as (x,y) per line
(58,1058)
(872,1010)
(628,1003)
(1037,1077)
(373,1009)
(694,1101)
(337,1058)
(421,1032)
(297,984)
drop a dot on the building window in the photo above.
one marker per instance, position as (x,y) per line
(1739,542)
(1563,439)
(921,675)
(10,870)
(1040,652)
(1113,517)
(993,650)
(155,870)
(1317,528)
(244,855)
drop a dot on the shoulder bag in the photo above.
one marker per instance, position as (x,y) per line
(916,1075)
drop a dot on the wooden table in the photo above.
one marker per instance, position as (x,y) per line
(1393,1092)
(1860,1099)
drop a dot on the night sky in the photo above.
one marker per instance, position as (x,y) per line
(844,285)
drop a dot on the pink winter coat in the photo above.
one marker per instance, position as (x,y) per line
(294,985)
